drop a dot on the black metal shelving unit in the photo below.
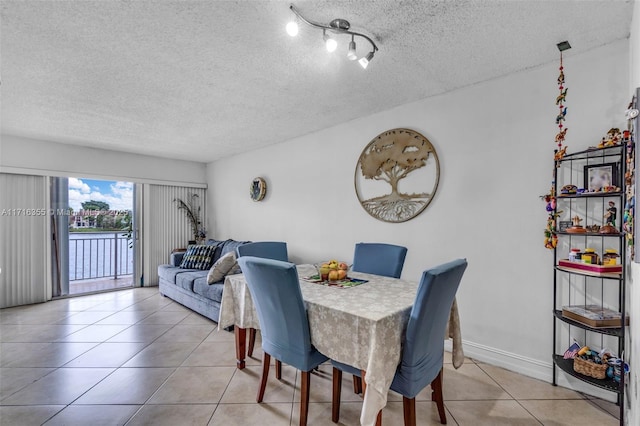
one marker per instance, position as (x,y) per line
(566,365)
(572,286)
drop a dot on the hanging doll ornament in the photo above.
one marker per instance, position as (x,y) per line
(562,113)
(630,199)
(550,236)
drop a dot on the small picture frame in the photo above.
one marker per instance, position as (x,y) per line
(601,177)
(563,225)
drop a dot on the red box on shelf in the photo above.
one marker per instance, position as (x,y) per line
(598,269)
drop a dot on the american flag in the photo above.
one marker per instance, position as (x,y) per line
(572,351)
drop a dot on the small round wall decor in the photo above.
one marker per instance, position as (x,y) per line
(258,189)
(397,175)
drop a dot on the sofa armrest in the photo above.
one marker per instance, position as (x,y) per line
(176,258)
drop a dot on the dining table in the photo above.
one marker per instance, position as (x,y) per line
(360,325)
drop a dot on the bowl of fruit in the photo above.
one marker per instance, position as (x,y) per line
(333,270)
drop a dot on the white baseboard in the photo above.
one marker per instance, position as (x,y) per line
(530,367)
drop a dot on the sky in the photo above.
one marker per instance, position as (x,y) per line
(119,195)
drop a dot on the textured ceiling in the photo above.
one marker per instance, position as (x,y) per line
(202,80)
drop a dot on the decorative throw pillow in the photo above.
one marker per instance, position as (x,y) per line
(222,267)
(235,270)
(198,257)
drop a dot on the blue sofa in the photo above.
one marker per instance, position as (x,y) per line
(189,287)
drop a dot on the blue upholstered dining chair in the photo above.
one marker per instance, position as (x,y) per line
(276,250)
(275,291)
(423,343)
(379,259)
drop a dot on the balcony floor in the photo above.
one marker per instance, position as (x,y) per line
(99,284)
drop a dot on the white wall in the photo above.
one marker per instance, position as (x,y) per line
(38,157)
(495,142)
(633,353)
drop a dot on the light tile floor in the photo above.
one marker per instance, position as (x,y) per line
(135,357)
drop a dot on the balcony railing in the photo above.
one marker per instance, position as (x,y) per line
(99,255)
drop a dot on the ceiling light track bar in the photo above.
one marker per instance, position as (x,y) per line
(338,28)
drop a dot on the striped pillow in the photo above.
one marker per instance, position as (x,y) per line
(198,257)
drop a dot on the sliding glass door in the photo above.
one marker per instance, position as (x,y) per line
(94,235)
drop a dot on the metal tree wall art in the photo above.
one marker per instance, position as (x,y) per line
(397,175)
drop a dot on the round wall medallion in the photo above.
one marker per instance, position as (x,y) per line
(397,175)
(258,189)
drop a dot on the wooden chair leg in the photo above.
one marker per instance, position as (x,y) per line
(357,384)
(266,360)
(364,389)
(304,397)
(252,341)
(278,369)
(335,397)
(409,408)
(241,341)
(436,395)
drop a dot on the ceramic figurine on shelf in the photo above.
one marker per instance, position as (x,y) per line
(576,228)
(611,214)
(612,138)
(602,143)
(569,190)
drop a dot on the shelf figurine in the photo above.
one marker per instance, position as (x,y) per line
(576,228)
(612,138)
(593,228)
(610,216)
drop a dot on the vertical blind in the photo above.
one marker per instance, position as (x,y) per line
(164,226)
(25,251)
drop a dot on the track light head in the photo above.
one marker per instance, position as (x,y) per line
(351,54)
(330,43)
(292,28)
(364,62)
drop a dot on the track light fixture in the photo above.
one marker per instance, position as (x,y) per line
(336,26)
(351,54)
